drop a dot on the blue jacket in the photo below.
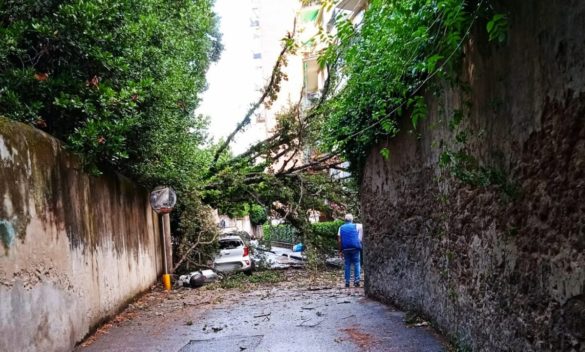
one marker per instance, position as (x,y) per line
(349,236)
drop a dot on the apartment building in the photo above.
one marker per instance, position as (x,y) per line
(316,18)
(270,21)
(317,22)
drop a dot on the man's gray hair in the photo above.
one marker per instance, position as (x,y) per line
(348,217)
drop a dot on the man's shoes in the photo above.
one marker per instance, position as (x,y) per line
(347,285)
(356,284)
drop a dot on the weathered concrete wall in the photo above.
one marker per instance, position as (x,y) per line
(74,248)
(499,267)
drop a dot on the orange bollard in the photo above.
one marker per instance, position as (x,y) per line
(166,279)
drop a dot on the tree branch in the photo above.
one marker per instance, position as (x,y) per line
(318,162)
(195,245)
(270,91)
(285,164)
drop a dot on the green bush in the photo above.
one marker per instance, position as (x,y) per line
(281,233)
(323,236)
(258,214)
(117,80)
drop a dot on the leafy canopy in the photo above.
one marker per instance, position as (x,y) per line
(380,67)
(116,79)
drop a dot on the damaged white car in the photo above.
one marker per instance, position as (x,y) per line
(234,255)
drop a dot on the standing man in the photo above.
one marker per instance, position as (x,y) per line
(349,239)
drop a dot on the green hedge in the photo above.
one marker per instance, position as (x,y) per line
(325,234)
(280,233)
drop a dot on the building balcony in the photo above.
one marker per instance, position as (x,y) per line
(352,5)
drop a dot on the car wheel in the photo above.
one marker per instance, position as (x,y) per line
(248,272)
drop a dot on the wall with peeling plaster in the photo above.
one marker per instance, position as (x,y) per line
(74,248)
(499,267)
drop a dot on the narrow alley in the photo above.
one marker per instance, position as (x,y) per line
(194,175)
(296,314)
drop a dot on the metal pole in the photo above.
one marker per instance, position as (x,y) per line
(164,245)
(168,244)
(166,219)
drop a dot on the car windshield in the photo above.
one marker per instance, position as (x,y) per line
(229,244)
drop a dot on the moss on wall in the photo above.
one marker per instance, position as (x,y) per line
(37,171)
(495,270)
(74,247)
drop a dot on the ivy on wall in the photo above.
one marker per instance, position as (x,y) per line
(382,66)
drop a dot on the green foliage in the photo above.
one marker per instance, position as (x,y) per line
(464,167)
(455,120)
(276,172)
(497,28)
(322,235)
(385,152)
(469,170)
(237,209)
(281,233)
(325,235)
(116,79)
(195,227)
(241,281)
(383,64)
(419,110)
(258,214)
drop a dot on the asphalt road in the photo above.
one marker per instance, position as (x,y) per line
(280,317)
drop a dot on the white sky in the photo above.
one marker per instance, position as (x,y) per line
(232,79)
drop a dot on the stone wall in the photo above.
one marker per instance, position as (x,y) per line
(491,249)
(74,248)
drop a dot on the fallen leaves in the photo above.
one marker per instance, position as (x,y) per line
(358,337)
(160,307)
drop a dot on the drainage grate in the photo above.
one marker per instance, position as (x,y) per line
(225,344)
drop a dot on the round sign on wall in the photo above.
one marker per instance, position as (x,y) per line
(163,199)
